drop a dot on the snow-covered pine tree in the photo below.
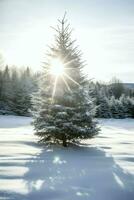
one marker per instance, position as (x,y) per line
(120,107)
(103,108)
(22,87)
(116,87)
(6,88)
(113,107)
(1,76)
(63,109)
(125,105)
(130,106)
(1,84)
(116,108)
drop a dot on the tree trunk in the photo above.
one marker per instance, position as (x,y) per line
(64,141)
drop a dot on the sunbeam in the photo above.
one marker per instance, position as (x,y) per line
(71,79)
(56,67)
(66,84)
(59,70)
(54,88)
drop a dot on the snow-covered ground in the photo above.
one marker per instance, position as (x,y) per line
(99,169)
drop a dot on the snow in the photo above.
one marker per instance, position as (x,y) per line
(99,169)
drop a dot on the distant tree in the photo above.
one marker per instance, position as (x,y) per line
(117,88)
(2,63)
(6,85)
(108,105)
(124,101)
(113,107)
(1,75)
(16,88)
(130,106)
(1,84)
(22,88)
(63,109)
(116,108)
(103,108)
(120,107)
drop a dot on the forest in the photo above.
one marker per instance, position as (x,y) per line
(17,86)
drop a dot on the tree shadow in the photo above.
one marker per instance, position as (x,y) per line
(77,172)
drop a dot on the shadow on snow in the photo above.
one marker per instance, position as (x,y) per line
(72,173)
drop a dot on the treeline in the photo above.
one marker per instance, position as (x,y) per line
(113,100)
(16,87)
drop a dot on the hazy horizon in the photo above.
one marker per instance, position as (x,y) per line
(104,31)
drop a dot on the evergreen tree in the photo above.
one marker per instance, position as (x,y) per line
(124,101)
(1,75)
(63,109)
(16,87)
(1,84)
(6,86)
(120,107)
(93,91)
(130,106)
(103,108)
(20,101)
(2,63)
(117,88)
(113,107)
(116,108)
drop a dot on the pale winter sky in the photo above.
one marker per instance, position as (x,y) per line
(104,30)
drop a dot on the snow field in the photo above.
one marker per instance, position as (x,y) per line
(99,169)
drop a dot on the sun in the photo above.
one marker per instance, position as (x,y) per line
(57,67)
(59,70)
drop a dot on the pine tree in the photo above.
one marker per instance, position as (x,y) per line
(103,108)
(120,107)
(124,101)
(130,106)
(63,109)
(117,87)
(20,100)
(6,87)
(1,84)
(116,108)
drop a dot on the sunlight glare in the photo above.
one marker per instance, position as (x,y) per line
(59,70)
(57,67)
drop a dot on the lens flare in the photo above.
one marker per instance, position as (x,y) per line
(59,70)
(56,67)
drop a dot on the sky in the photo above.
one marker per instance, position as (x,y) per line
(104,30)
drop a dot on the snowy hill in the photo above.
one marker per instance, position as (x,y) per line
(98,169)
